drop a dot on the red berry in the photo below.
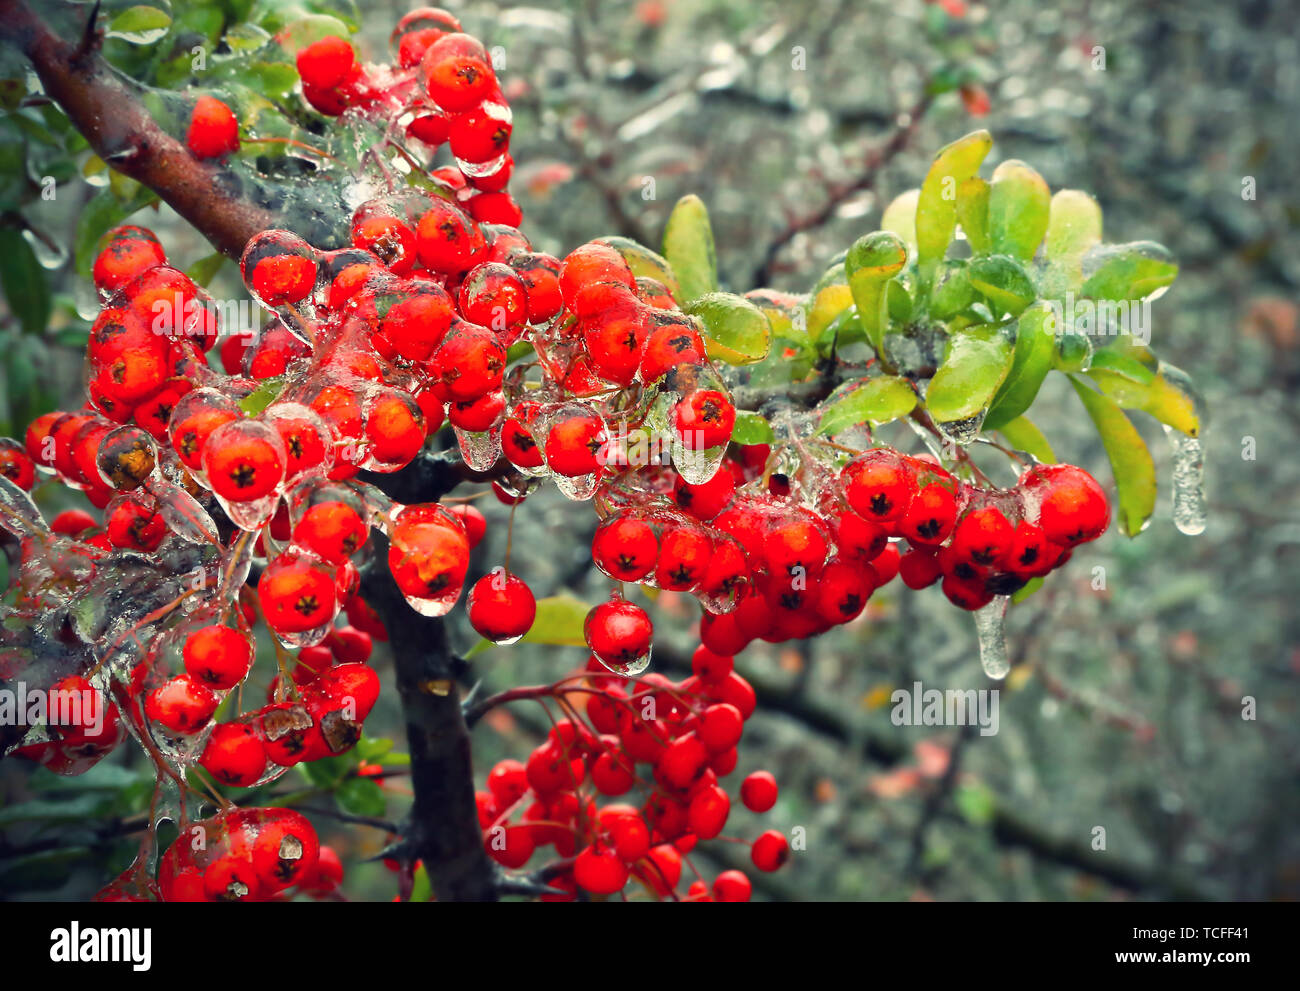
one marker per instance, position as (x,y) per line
(1071,507)
(982,537)
(708,812)
(326,63)
(296,593)
(501,607)
(214,131)
(218,656)
(234,755)
(720,727)
(599,870)
(480,134)
(183,704)
(758,791)
(770,851)
(619,633)
(574,445)
(473,520)
(930,515)
(919,568)
(732,886)
(704,419)
(332,529)
(879,485)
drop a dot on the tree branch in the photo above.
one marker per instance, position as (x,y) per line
(443,828)
(871,166)
(109,114)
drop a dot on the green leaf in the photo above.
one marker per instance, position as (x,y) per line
(688,247)
(139,25)
(1128,271)
(973,213)
(43,871)
(735,330)
(559,621)
(1135,473)
(271,79)
(361,797)
(1035,350)
(328,772)
(952,291)
(936,207)
(825,305)
(644,262)
(372,748)
(968,379)
(421,888)
(976,803)
(263,396)
(206,268)
(1073,352)
(103,212)
(302,31)
(877,400)
(24,282)
(869,265)
(1022,435)
(1025,591)
(751,428)
(75,809)
(1019,204)
(1003,282)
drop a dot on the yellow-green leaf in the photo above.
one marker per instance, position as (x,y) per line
(977,361)
(783,312)
(644,262)
(1023,435)
(936,206)
(1019,203)
(1073,227)
(870,264)
(1003,282)
(688,247)
(1128,271)
(751,428)
(1035,350)
(877,400)
(900,217)
(1167,394)
(139,25)
(973,213)
(735,330)
(1130,461)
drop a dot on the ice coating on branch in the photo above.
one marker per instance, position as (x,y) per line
(1189,482)
(990,628)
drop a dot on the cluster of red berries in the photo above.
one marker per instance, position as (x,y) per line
(369,350)
(671,742)
(78,744)
(443,85)
(247,855)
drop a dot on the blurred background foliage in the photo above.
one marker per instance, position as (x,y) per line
(1125,708)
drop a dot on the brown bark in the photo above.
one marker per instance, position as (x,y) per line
(109,114)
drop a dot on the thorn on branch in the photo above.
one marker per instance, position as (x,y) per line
(90,36)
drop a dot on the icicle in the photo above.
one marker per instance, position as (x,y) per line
(18,514)
(990,626)
(1189,482)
